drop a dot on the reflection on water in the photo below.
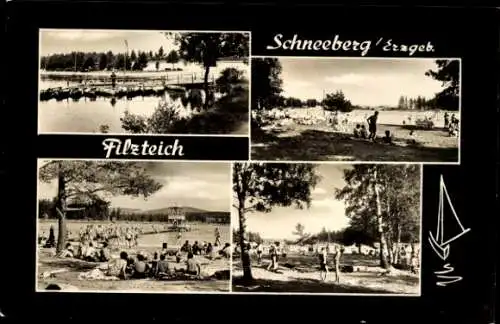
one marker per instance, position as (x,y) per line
(98,115)
(93,115)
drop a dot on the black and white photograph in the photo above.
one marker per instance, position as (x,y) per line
(144,82)
(326,228)
(356,109)
(153,227)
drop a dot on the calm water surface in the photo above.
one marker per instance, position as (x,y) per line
(87,116)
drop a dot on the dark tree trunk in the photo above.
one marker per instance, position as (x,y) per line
(61,212)
(206,87)
(245,256)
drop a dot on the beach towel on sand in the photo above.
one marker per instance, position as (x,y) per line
(95,274)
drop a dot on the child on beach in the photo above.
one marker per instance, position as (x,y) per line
(357,131)
(388,137)
(363,133)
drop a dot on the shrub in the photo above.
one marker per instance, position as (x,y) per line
(228,78)
(337,101)
(161,121)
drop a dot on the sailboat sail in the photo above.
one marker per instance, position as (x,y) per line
(439,237)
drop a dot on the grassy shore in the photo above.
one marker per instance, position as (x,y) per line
(300,273)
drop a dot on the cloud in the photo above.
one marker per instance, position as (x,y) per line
(80,35)
(350,78)
(184,187)
(300,83)
(319,191)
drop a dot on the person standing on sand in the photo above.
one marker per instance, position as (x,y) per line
(273,252)
(113,79)
(217,237)
(372,125)
(323,268)
(179,237)
(338,254)
(259,253)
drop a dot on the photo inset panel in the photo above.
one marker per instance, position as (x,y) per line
(356,109)
(152,227)
(144,82)
(327,228)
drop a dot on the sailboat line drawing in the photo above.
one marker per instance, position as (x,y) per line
(438,242)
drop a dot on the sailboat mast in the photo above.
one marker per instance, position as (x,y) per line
(440,210)
(441,215)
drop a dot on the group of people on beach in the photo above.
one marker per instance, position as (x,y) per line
(159,266)
(114,234)
(94,246)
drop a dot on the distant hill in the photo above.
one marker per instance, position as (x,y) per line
(183,209)
(129,210)
(167,210)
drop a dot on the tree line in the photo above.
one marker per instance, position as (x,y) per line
(267,88)
(417,103)
(382,201)
(93,61)
(100,210)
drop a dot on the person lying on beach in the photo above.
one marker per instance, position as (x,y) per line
(112,270)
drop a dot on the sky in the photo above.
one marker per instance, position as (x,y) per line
(364,81)
(199,185)
(325,210)
(70,40)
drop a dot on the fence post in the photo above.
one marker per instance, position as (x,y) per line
(178,78)
(192,78)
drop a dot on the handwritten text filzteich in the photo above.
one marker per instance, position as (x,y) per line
(117,147)
(439,244)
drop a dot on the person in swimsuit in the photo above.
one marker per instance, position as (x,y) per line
(338,254)
(323,268)
(372,125)
(217,236)
(192,266)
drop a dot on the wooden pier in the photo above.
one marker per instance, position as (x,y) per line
(122,89)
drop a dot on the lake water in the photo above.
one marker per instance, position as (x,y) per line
(86,116)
